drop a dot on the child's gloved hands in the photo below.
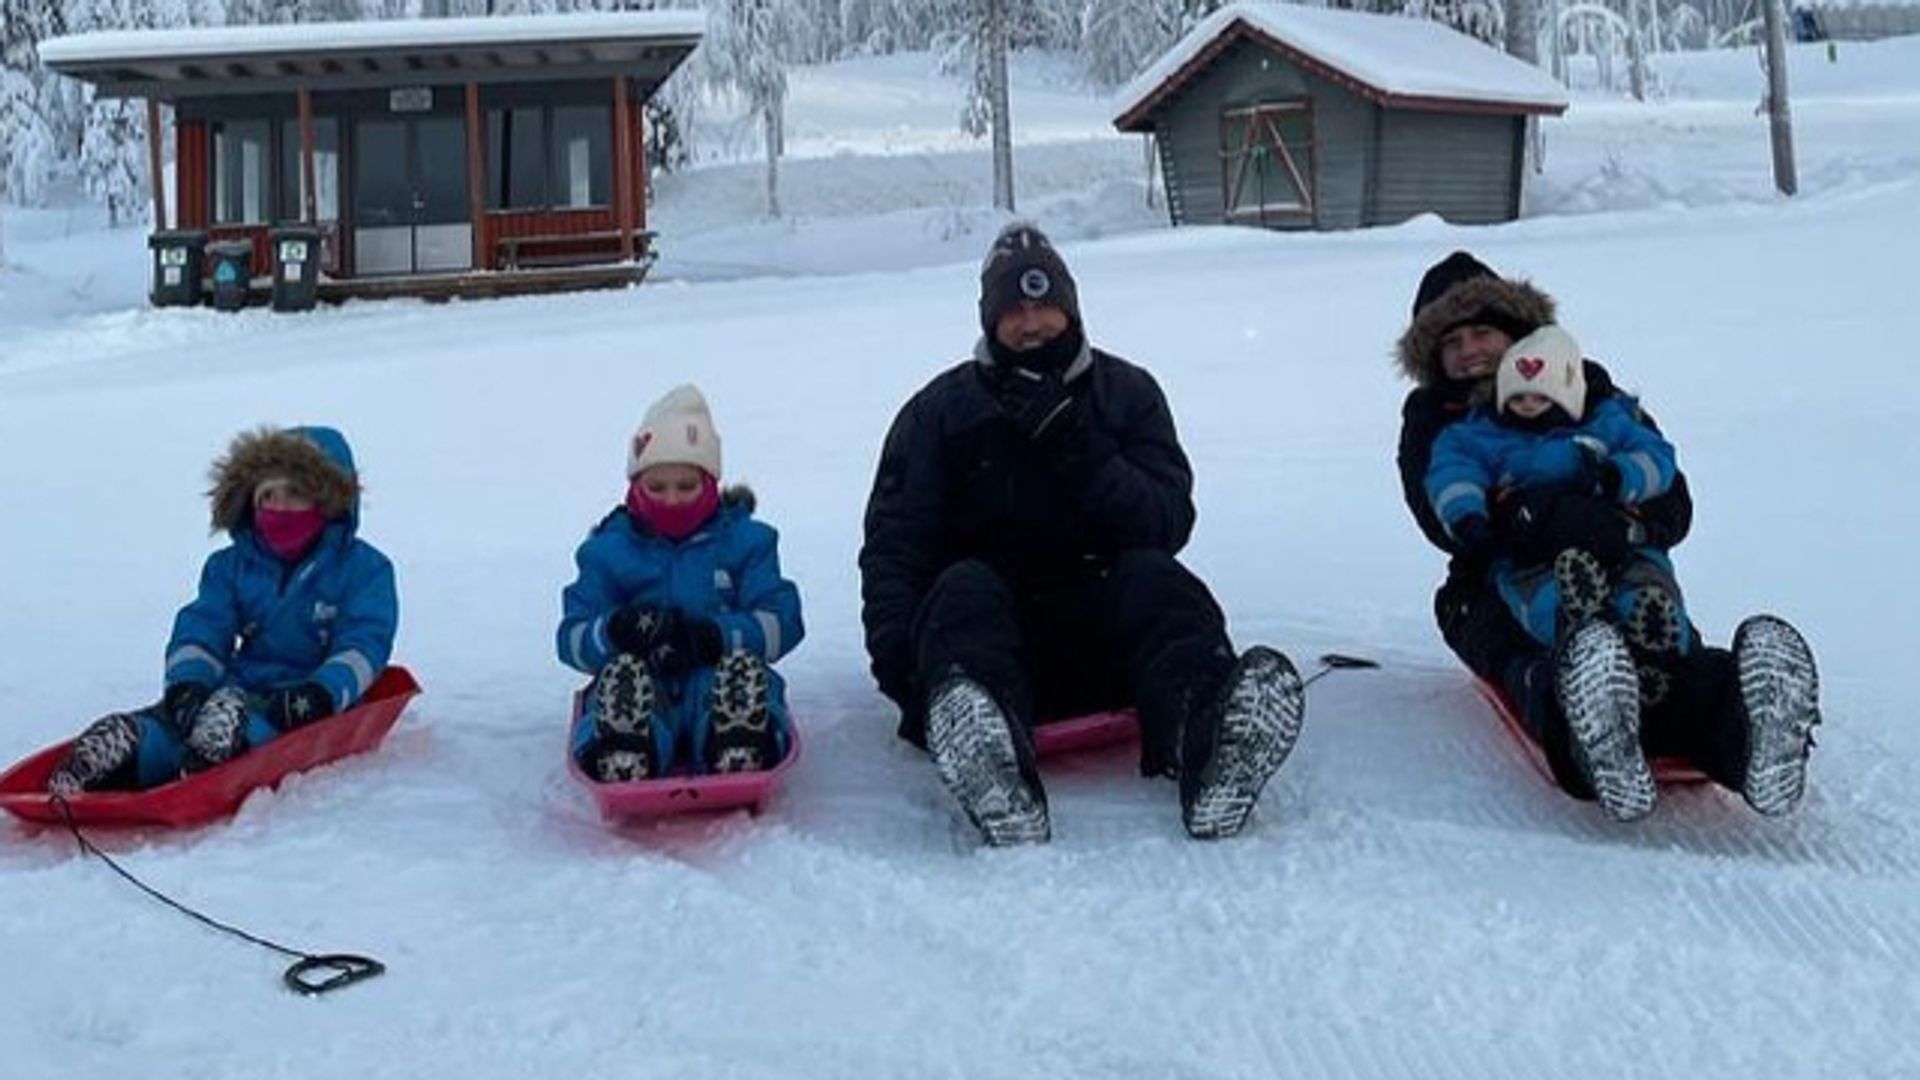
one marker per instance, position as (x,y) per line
(670,642)
(633,628)
(694,643)
(1538,523)
(181,702)
(298,706)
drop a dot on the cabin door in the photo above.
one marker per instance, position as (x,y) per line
(411,209)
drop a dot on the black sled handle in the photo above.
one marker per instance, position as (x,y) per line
(1333,661)
(309,979)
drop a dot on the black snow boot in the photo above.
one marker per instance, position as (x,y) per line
(986,760)
(218,732)
(1595,682)
(627,701)
(103,758)
(1583,586)
(742,736)
(1780,696)
(1236,739)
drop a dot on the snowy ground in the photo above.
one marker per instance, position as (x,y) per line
(1411,901)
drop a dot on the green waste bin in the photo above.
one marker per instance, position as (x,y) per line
(179,258)
(296,267)
(230,265)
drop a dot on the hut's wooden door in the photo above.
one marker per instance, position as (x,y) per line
(1268,153)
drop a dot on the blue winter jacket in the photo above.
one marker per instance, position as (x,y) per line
(1480,454)
(264,625)
(728,571)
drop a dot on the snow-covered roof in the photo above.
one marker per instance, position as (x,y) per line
(1395,60)
(207,42)
(237,59)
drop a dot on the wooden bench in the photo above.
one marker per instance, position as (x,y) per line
(514,250)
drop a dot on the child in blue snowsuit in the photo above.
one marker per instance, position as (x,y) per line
(678,613)
(1538,432)
(294,620)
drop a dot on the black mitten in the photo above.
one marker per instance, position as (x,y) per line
(298,706)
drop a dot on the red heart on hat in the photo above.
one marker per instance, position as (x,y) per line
(1530,366)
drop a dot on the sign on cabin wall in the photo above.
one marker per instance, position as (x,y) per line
(410,99)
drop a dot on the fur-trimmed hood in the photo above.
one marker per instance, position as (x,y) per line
(317,460)
(1515,301)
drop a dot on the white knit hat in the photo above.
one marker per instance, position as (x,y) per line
(677,430)
(1545,362)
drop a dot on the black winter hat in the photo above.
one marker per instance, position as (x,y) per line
(1458,269)
(1023,265)
(1445,274)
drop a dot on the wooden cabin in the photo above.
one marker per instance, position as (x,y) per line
(1291,117)
(442,157)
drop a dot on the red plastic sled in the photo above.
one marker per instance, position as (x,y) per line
(668,796)
(219,791)
(1666,770)
(1090,732)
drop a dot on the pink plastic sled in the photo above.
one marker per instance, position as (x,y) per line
(1090,732)
(667,796)
(1666,770)
(219,791)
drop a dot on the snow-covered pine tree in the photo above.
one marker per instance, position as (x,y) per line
(746,51)
(1119,37)
(112,135)
(30,100)
(1523,30)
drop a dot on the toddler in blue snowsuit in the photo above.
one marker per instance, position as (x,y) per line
(1539,432)
(294,619)
(678,613)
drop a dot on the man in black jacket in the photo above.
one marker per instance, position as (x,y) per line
(1019,567)
(1743,717)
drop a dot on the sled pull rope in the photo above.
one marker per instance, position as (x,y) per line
(1333,661)
(347,968)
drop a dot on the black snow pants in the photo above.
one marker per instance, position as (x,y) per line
(1143,631)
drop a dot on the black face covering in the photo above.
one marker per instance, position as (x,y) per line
(1052,358)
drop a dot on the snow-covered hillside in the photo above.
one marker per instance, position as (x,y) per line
(1411,900)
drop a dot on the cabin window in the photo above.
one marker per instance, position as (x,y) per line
(240,165)
(582,172)
(517,159)
(326,170)
(555,157)
(1267,153)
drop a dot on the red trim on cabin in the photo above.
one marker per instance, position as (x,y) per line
(638,147)
(623,166)
(1240,30)
(192,165)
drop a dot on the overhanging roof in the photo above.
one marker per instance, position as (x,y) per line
(1395,61)
(170,64)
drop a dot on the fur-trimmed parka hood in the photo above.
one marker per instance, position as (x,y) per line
(1516,303)
(316,459)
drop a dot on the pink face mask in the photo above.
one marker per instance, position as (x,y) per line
(673,522)
(288,533)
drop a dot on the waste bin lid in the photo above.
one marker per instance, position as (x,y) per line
(231,248)
(160,238)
